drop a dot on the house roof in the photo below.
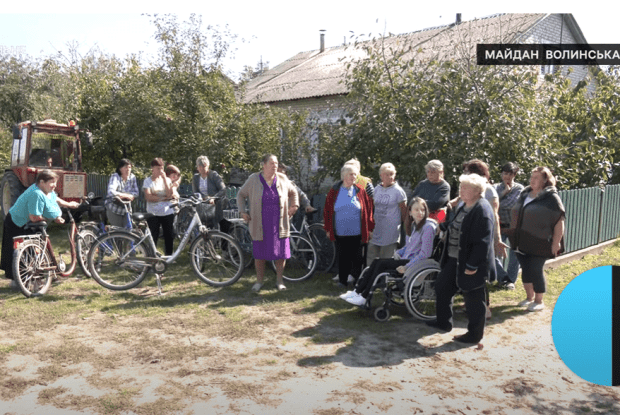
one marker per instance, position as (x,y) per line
(317,74)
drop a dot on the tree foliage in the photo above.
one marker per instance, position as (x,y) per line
(178,105)
(407,109)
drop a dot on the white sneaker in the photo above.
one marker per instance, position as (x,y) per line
(525,303)
(347,294)
(536,307)
(356,299)
(336,278)
(350,280)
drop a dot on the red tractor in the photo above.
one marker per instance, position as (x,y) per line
(44,145)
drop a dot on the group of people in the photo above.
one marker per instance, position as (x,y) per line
(160,190)
(363,221)
(476,227)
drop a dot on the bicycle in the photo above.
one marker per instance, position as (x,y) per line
(120,260)
(35,263)
(88,232)
(325,249)
(304,258)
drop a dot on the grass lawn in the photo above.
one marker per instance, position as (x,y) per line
(111,340)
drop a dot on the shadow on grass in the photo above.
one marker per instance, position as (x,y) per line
(312,296)
(367,343)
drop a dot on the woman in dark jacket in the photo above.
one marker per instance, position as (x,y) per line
(348,217)
(210,184)
(537,230)
(467,262)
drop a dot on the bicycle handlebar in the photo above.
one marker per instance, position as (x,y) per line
(193,201)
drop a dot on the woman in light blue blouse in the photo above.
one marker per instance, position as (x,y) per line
(37,203)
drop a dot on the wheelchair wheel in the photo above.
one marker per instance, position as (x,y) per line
(392,286)
(420,293)
(382,314)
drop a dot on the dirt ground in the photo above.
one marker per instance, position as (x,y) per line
(297,364)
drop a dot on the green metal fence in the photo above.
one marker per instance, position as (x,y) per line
(592,216)
(583,210)
(610,213)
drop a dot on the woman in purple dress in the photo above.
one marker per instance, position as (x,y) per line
(266,202)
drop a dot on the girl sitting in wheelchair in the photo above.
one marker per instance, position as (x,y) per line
(419,246)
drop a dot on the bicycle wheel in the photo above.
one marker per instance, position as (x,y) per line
(217,259)
(326,249)
(83,241)
(117,260)
(420,293)
(182,221)
(241,233)
(302,263)
(32,269)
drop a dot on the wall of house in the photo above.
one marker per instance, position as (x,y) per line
(326,109)
(322,110)
(550,30)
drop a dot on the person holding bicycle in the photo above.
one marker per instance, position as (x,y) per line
(37,203)
(122,185)
(209,183)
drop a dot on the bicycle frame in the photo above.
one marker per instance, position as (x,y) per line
(158,263)
(147,236)
(35,264)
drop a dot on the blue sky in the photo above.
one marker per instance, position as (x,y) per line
(274,31)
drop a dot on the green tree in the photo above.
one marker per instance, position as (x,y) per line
(408,110)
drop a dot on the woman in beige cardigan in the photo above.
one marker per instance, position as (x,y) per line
(271,201)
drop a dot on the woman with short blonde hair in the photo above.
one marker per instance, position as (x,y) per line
(467,261)
(390,210)
(208,183)
(348,221)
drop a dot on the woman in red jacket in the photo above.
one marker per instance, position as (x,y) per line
(348,217)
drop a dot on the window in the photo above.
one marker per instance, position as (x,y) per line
(547,69)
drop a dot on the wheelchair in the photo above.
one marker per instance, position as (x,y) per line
(414,290)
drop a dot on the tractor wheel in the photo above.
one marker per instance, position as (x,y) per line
(10,190)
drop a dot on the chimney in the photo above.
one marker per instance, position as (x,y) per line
(322,41)
(458,18)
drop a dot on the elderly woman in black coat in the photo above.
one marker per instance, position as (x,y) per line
(467,262)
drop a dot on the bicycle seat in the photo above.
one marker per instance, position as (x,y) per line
(139,217)
(37,226)
(97,209)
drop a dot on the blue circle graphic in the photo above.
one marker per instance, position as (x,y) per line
(582,326)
